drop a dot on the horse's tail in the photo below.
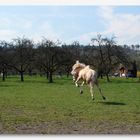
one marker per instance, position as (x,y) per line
(94,76)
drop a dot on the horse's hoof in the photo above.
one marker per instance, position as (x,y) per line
(104,98)
(81,92)
(93,98)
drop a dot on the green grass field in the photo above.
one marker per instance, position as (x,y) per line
(38,107)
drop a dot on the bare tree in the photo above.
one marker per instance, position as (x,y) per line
(98,42)
(49,58)
(67,58)
(109,55)
(4,58)
(22,55)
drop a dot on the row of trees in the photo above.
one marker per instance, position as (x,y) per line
(23,56)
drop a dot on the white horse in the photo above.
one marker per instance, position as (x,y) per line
(82,72)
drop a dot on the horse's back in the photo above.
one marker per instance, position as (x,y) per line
(88,74)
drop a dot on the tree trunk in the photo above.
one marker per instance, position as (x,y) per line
(134,69)
(108,80)
(6,73)
(67,74)
(47,75)
(3,75)
(50,77)
(40,72)
(101,76)
(30,72)
(21,76)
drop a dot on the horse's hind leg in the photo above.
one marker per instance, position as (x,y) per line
(100,91)
(91,90)
(81,87)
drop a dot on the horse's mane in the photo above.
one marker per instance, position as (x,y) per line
(78,65)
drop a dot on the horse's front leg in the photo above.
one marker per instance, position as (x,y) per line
(76,82)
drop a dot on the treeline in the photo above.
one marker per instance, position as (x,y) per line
(23,56)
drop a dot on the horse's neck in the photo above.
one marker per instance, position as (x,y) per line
(80,70)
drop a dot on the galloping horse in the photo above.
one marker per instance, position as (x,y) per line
(82,72)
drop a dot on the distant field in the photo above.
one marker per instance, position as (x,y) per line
(37,107)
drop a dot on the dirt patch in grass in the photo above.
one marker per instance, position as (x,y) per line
(73,128)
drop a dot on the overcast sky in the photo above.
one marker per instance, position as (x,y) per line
(71,23)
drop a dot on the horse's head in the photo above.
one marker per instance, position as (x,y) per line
(76,68)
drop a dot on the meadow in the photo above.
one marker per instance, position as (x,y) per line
(38,107)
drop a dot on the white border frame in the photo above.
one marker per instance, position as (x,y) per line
(70,2)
